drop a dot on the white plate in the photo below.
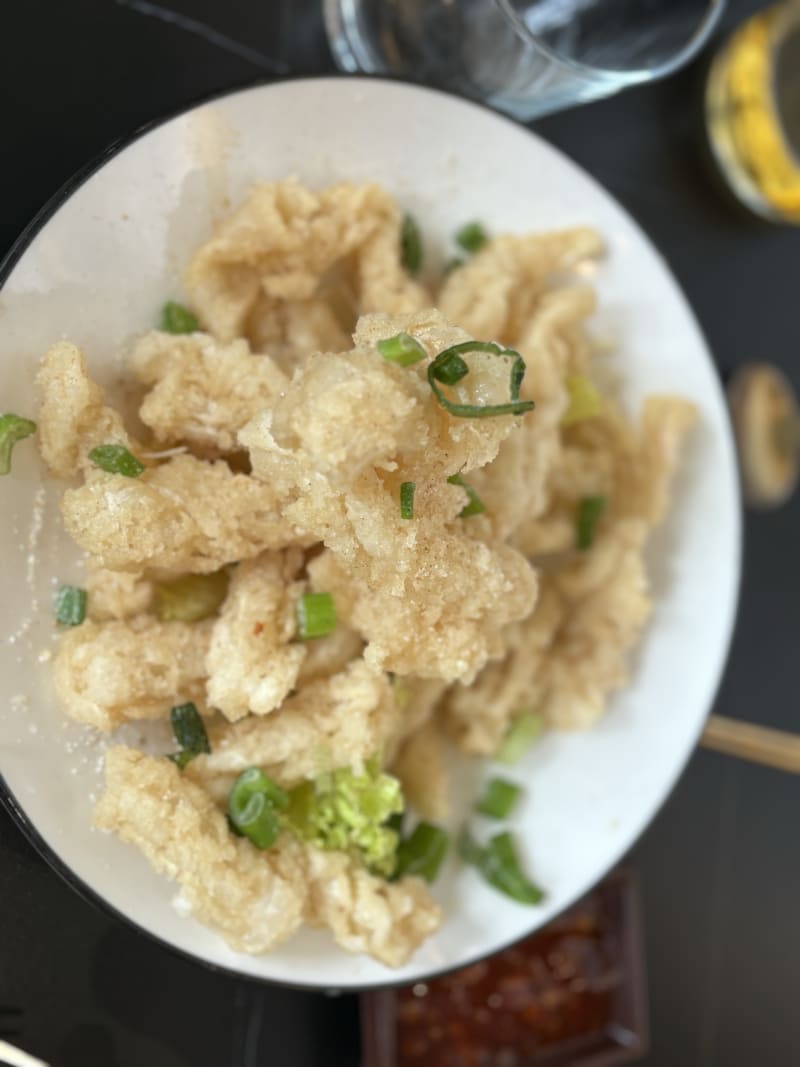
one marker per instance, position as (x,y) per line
(97,267)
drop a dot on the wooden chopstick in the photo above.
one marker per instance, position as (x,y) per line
(759,744)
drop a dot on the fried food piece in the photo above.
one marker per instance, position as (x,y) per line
(283,240)
(183,516)
(386,920)
(252,662)
(340,721)
(73,415)
(201,392)
(336,447)
(420,766)
(495,292)
(107,673)
(116,594)
(256,900)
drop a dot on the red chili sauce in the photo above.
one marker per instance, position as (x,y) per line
(553,991)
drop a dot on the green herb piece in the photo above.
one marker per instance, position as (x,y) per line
(70,605)
(585,402)
(407,490)
(423,852)
(449,363)
(254,804)
(116,459)
(316,615)
(471,237)
(177,319)
(498,864)
(522,733)
(498,799)
(180,759)
(13,428)
(189,729)
(453,264)
(589,511)
(402,349)
(411,251)
(192,597)
(350,813)
(474,505)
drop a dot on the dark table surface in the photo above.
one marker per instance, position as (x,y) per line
(720,866)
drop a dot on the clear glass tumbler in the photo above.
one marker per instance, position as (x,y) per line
(525,57)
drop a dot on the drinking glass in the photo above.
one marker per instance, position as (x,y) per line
(525,57)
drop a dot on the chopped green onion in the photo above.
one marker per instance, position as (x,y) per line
(180,759)
(177,319)
(70,605)
(472,237)
(402,349)
(474,505)
(453,264)
(445,364)
(407,490)
(585,402)
(13,428)
(451,369)
(116,459)
(423,852)
(189,730)
(521,735)
(316,615)
(589,511)
(192,597)
(498,863)
(411,245)
(253,806)
(498,799)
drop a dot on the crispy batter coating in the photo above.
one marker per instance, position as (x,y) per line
(350,428)
(420,766)
(73,415)
(253,661)
(255,899)
(387,920)
(107,673)
(201,392)
(281,242)
(116,594)
(185,515)
(339,721)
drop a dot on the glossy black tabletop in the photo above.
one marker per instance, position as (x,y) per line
(720,866)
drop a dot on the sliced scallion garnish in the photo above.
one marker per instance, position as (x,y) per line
(13,428)
(402,349)
(474,505)
(521,735)
(316,615)
(590,509)
(499,865)
(422,852)
(192,597)
(116,459)
(471,237)
(177,319)
(411,252)
(70,605)
(190,733)
(447,369)
(407,490)
(498,799)
(253,806)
